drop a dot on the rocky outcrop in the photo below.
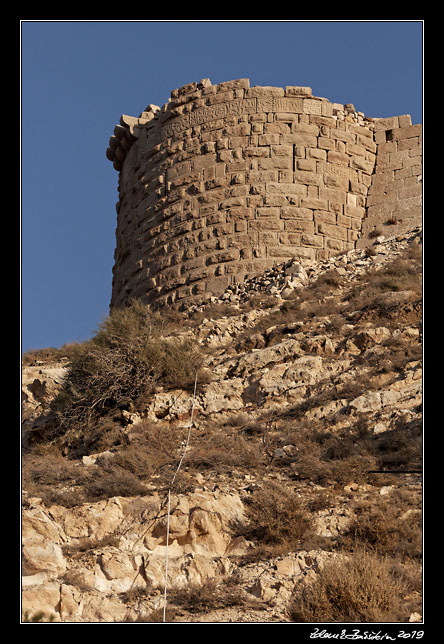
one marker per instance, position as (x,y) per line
(119,545)
(105,560)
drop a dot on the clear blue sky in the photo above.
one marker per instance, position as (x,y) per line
(78,77)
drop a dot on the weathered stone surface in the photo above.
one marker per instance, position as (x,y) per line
(233,148)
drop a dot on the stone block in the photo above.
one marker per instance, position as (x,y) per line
(334,244)
(263,91)
(326,143)
(354,211)
(337,158)
(322,216)
(386,123)
(315,153)
(275,200)
(336,181)
(267,223)
(333,195)
(345,222)
(295,212)
(315,204)
(355,149)
(237,213)
(268,139)
(268,211)
(281,151)
(293,105)
(326,108)
(380,137)
(307,178)
(367,143)
(411,143)
(405,120)
(362,164)
(277,162)
(226,255)
(300,138)
(353,235)
(306,165)
(334,232)
(290,239)
(268,238)
(299,225)
(287,117)
(239,83)
(281,251)
(240,226)
(312,106)
(316,241)
(262,176)
(296,90)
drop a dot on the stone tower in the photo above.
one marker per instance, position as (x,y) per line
(226,180)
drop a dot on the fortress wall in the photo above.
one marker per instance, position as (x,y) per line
(394,200)
(226,180)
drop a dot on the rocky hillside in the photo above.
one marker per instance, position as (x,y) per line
(294,471)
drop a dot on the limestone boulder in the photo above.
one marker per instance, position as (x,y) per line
(276,354)
(41,556)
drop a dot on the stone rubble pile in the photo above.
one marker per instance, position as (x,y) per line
(282,279)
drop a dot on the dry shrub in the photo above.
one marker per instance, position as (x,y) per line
(326,283)
(155,616)
(153,448)
(386,529)
(359,588)
(196,598)
(214,312)
(86,544)
(224,450)
(46,466)
(152,454)
(135,460)
(111,481)
(103,435)
(207,596)
(404,273)
(48,355)
(401,447)
(51,477)
(276,521)
(119,368)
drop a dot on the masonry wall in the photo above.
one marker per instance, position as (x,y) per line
(225,180)
(394,200)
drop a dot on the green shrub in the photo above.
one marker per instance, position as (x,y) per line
(39,616)
(120,367)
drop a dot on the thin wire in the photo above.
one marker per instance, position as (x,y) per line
(166,558)
(189,432)
(169,498)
